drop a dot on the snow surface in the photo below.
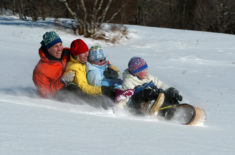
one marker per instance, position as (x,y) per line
(200,64)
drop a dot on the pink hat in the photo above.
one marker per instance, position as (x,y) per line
(136,65)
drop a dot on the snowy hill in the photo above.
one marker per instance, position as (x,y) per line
(200,64)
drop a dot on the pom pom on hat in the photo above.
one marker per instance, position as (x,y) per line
(78,47)
(136,65)
(50,39)
(96,53)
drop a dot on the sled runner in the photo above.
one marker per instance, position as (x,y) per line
(185,114)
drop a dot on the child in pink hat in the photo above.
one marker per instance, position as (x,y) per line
(146,86)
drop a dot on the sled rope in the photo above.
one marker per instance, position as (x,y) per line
(166,107)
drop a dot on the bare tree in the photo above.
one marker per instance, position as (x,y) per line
(89,18)
(215,16)
(89,15)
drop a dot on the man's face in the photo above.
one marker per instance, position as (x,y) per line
(56,50)
(83,57)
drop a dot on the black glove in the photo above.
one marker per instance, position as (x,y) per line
(173,95)
(145,95)
(150,94)
(108,91)
(109,73)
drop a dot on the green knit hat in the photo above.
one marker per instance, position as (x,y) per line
(50,39)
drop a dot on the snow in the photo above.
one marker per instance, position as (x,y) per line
(199,64)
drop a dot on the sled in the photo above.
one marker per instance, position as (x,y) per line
(185,114)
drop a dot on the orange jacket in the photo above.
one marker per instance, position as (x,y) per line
(48,72)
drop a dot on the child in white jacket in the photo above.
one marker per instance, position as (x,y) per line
(137,74)
(146,86)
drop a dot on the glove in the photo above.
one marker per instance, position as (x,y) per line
(68,77)
(108,91)
(115,69)
(145,95)
(173,94)
(109,73)
(150,94)
(145,85)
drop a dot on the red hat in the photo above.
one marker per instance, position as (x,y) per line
(78,46)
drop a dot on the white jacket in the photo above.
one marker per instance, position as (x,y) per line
(130,81)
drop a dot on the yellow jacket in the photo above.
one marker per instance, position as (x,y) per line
(80,77)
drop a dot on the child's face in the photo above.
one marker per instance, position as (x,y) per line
(82,57)
(99,62)
(142,75)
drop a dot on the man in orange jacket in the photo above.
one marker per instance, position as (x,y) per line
(48,74)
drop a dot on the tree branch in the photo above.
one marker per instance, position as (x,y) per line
(105,11)
(116,13)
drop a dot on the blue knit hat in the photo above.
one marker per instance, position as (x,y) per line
(136,65)
(50,39)
(96,53)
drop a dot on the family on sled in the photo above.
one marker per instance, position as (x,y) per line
(87,71)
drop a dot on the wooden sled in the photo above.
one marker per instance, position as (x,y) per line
(185,114)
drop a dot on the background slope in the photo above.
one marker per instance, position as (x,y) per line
(201,65)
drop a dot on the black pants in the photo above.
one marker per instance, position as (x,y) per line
(73,94)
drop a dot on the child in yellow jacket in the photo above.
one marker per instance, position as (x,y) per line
(78,64)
